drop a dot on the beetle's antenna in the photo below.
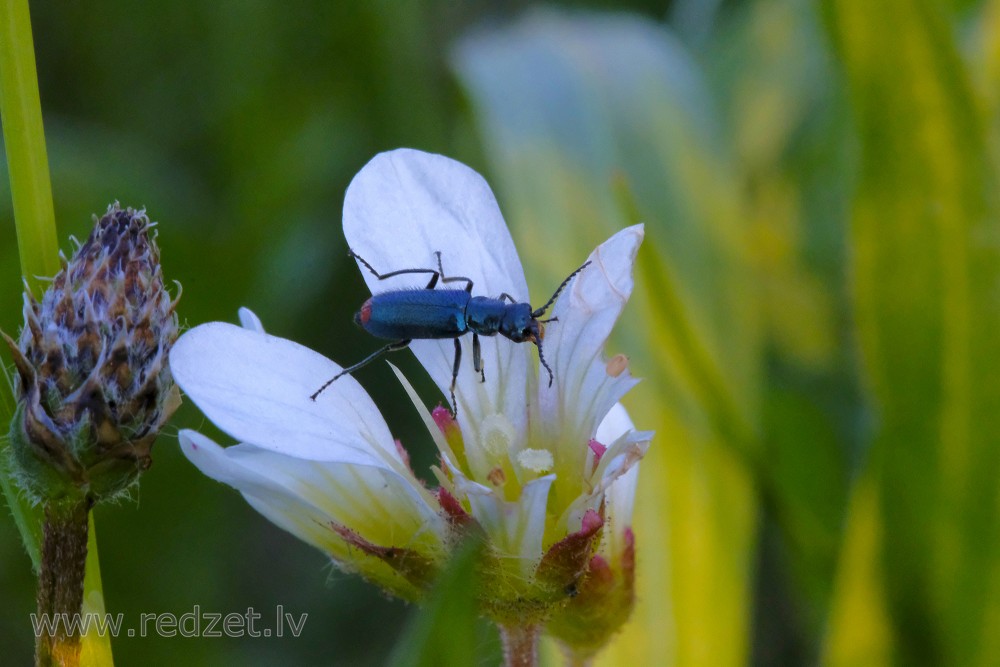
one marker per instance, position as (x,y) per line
(541,357)
(541,311)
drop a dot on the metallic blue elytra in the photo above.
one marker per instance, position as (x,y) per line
(405,315)
(415,313)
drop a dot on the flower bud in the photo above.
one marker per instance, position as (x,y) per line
(602,603)
(94,385)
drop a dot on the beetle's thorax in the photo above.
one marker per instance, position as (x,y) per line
(488,317)
(484,315)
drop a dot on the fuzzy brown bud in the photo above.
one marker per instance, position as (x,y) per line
(94,385)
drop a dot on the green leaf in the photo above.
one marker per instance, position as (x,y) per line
(31,194)
(447,629)
(926,252)
(859,628)
(24,143)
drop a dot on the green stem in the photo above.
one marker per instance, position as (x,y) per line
(38,247)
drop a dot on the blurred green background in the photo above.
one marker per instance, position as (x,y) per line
(817,314)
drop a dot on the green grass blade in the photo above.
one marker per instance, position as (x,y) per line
(34,217)
(31,194)
(446,631)
(926,252)
(24,140)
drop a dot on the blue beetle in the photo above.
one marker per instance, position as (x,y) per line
(407,314)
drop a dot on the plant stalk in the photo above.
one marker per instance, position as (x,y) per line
(60,583)
(520,645)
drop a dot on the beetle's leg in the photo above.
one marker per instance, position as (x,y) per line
(391,347)
(454,376)
(508,297)
(382,276)
(477,357)
(452,279)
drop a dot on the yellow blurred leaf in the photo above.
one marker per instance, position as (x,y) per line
(95,648)
(926,253)
(859,630)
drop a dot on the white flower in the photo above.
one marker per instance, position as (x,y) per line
(546,473)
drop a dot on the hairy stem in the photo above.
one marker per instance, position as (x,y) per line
(520,645)
(60,582)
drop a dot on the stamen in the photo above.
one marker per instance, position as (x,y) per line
(536,460)
(617,365)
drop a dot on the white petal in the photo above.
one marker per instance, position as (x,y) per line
(621,457)
(619,502)
(344,555)
(583,392)
(516,529)
(308,497)
(402,207)
(256,388)
(436,435)
(295,515)
(619,498)
(250,321)
(614,425)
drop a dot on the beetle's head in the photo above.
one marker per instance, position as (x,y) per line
(519,324)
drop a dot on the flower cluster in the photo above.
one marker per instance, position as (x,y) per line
(544,475)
